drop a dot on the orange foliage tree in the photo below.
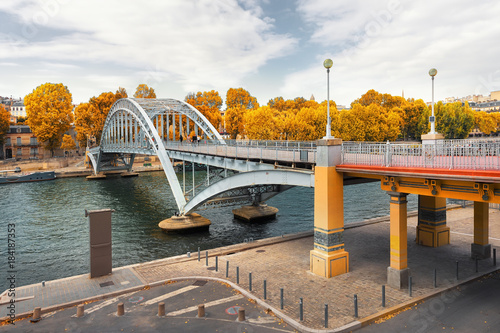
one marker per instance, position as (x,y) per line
(143,91)
(49,112)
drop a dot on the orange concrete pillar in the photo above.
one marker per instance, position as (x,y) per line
(432,230)
(328,257)
(480,247)
(397,272)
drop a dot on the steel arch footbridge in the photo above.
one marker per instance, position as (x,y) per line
(234,175)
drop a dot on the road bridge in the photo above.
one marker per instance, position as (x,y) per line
(253,171)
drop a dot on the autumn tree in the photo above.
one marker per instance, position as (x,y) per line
(4,127)
(209,104)
(234,119)
(237,97)
(122,92)
(68,143)
(260,124)
(143,91)
(91,116)
(485,122)
(48,109)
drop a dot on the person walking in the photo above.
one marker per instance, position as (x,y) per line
(180,138)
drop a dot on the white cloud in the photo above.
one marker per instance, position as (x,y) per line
(201,44)
(375,46)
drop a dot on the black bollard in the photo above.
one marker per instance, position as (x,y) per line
(326,315)
(409,285)
(199,256)
(281,298)
(238,275)
(435,278)
(227,268)
(265,289)
(216,264)
(206,258)
(383,296)
(355,306)
(301,309)
(250,281)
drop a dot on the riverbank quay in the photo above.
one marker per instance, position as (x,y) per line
(283,262)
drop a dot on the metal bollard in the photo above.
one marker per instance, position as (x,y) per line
(409,285)
(301,309)
(435,278)
(281,298)
(326,315)
(201,310)
(241,314)
(206,258)
(80,311)
(355,306)
(120,311)
(36,315)
(495,255)
(383,296)
(216,264)
(237,274)
(265,289)
(250,281)
(227,268)
(477,260)
(457,269)
(189,254)
(199,255)
(161,309)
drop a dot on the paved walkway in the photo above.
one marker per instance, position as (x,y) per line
(284,263)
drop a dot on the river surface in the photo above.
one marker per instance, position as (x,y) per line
(52,236)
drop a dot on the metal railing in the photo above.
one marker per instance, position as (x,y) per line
(287,151)
(446,154)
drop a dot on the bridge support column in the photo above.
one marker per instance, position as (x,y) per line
(328,258)
(398,272)
(432,230)
(480,247)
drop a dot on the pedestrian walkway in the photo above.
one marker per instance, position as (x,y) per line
(283,263)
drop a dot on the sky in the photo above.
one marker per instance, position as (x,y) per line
(270,48)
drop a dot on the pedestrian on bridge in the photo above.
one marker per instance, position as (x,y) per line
(180,138)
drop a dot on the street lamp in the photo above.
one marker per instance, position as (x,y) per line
(328,63)
(432,119)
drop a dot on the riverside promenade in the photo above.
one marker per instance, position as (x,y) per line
(284,263)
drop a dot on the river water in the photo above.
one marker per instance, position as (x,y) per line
(52,237)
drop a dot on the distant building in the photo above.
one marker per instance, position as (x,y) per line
(18,109)
(22,144)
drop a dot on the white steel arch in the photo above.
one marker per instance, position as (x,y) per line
(115,136)
(246,179)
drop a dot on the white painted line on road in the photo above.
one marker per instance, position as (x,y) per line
(213,303)
(171,294)
(461,233)
(104,304)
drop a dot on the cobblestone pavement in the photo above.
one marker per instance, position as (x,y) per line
(286,265)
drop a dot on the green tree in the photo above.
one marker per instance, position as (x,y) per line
(48,109)
(454,120)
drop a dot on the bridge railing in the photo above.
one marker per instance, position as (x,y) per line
(287,151)
(446,154)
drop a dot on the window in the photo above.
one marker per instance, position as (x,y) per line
(34,151)
(33,141)
(19,141)
(19,152)
(8,142)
